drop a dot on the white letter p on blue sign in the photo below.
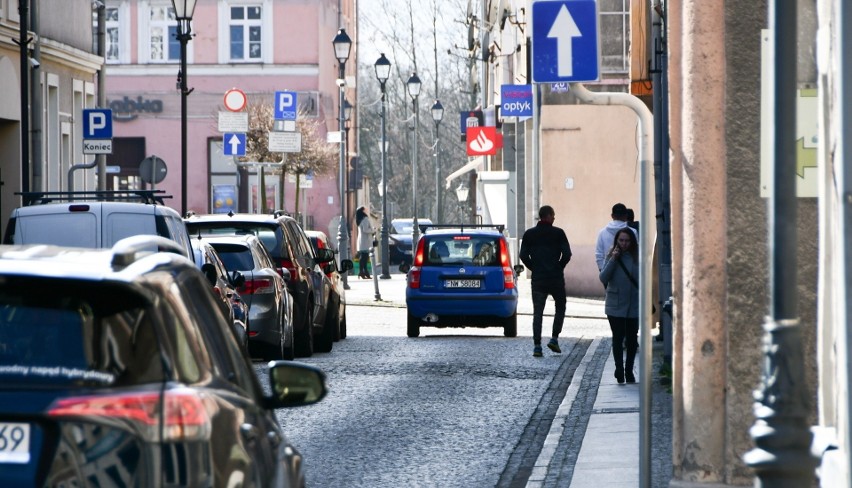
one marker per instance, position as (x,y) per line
(285,105)
(97,123)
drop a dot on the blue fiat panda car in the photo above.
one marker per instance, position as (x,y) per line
(462,276)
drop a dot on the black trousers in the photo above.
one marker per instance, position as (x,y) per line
(625,335)
(363,259)
(540,292)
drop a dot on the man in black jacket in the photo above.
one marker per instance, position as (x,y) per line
(545,252)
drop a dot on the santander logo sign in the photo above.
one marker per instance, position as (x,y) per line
(483,141)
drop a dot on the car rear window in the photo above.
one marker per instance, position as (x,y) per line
(235,257)
(63,332)
(265,233)
(476,250)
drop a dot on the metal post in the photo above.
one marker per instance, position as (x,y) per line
(101,158)
(415,230)
(385,245)
(342,228)
(782,456)
(438,216)
(183,36)
(23,42)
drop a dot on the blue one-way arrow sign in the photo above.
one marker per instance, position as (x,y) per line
(565,44)
(233,144)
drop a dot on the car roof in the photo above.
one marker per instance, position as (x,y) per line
(38,260)
(238,217)
(230,239)
(454,229)
(126,207)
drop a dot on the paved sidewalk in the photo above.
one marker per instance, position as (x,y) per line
(612,432)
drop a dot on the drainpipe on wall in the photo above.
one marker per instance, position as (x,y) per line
(36,105)
(780,432)
(101,158)
(23,43)
(646,202)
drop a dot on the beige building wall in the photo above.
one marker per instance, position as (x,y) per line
(590,158)
(720,240)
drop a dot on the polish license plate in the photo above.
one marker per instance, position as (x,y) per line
(461,283)
(14,442)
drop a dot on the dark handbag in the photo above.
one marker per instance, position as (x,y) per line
(635,283)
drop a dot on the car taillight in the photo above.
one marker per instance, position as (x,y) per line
(258,286)
(414,272)
(186,417)
(508,272)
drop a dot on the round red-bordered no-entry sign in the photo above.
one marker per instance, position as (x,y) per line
(235,100)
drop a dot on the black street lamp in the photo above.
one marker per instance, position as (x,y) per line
(437,115)
(342,45)
(414,91)
(461,194)
(383,67)
(183,13)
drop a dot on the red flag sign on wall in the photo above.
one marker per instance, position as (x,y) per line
(483,141)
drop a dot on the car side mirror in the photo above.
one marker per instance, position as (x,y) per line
(295,384)
(346,265)
(237,279)
(324,255)
(210,273)
(404,267)
(519,268)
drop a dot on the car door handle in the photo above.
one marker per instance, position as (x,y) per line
(249,432)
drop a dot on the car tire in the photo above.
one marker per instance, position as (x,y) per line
(305,339)
(325,341)
(290,351)
(510,325)
(413,326)
(333,321)
(343,325)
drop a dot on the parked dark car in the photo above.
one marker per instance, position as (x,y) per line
(117,369)
(291,250)
(225,287)
(264,289)
(322,248)
(399,239)
(462,276)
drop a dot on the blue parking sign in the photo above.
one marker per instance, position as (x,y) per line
(97,123)
(286,105)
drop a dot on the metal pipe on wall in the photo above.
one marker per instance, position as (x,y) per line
(36,106)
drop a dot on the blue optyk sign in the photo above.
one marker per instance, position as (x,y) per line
(516,100)
(286,107)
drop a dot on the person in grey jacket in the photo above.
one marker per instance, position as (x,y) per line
(366,235)
(619,275)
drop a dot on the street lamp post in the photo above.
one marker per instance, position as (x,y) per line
(461,194)
(183,13)
(342,45)
(414,91)
(382,74)
(437,115)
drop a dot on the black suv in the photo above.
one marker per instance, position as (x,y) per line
(314,326)
(118,368)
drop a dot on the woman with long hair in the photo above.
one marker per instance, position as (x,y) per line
(365,241)
(619,275)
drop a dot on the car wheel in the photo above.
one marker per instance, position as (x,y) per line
(333,321)
(289,345)
(510,325)
(305,338)
(326,337)
(413,326)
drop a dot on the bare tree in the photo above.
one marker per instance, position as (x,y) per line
(317,156)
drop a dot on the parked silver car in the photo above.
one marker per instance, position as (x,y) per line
(265,293)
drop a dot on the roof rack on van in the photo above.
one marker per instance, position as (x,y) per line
(143,196)
(462,227)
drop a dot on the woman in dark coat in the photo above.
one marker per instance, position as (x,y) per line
(619,275)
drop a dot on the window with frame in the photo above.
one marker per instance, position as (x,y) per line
(162,26)
(111,32)
(615,35)
(245,29)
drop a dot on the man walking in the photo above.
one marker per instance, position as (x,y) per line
(606,236)
(545,252)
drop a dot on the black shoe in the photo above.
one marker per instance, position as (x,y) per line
(629,377)
(619,375)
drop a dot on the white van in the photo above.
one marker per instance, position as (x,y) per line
(94,224)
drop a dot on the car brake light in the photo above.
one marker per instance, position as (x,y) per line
(186,416)
(78,208)
(414,272)
(258,286)
(508,272)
